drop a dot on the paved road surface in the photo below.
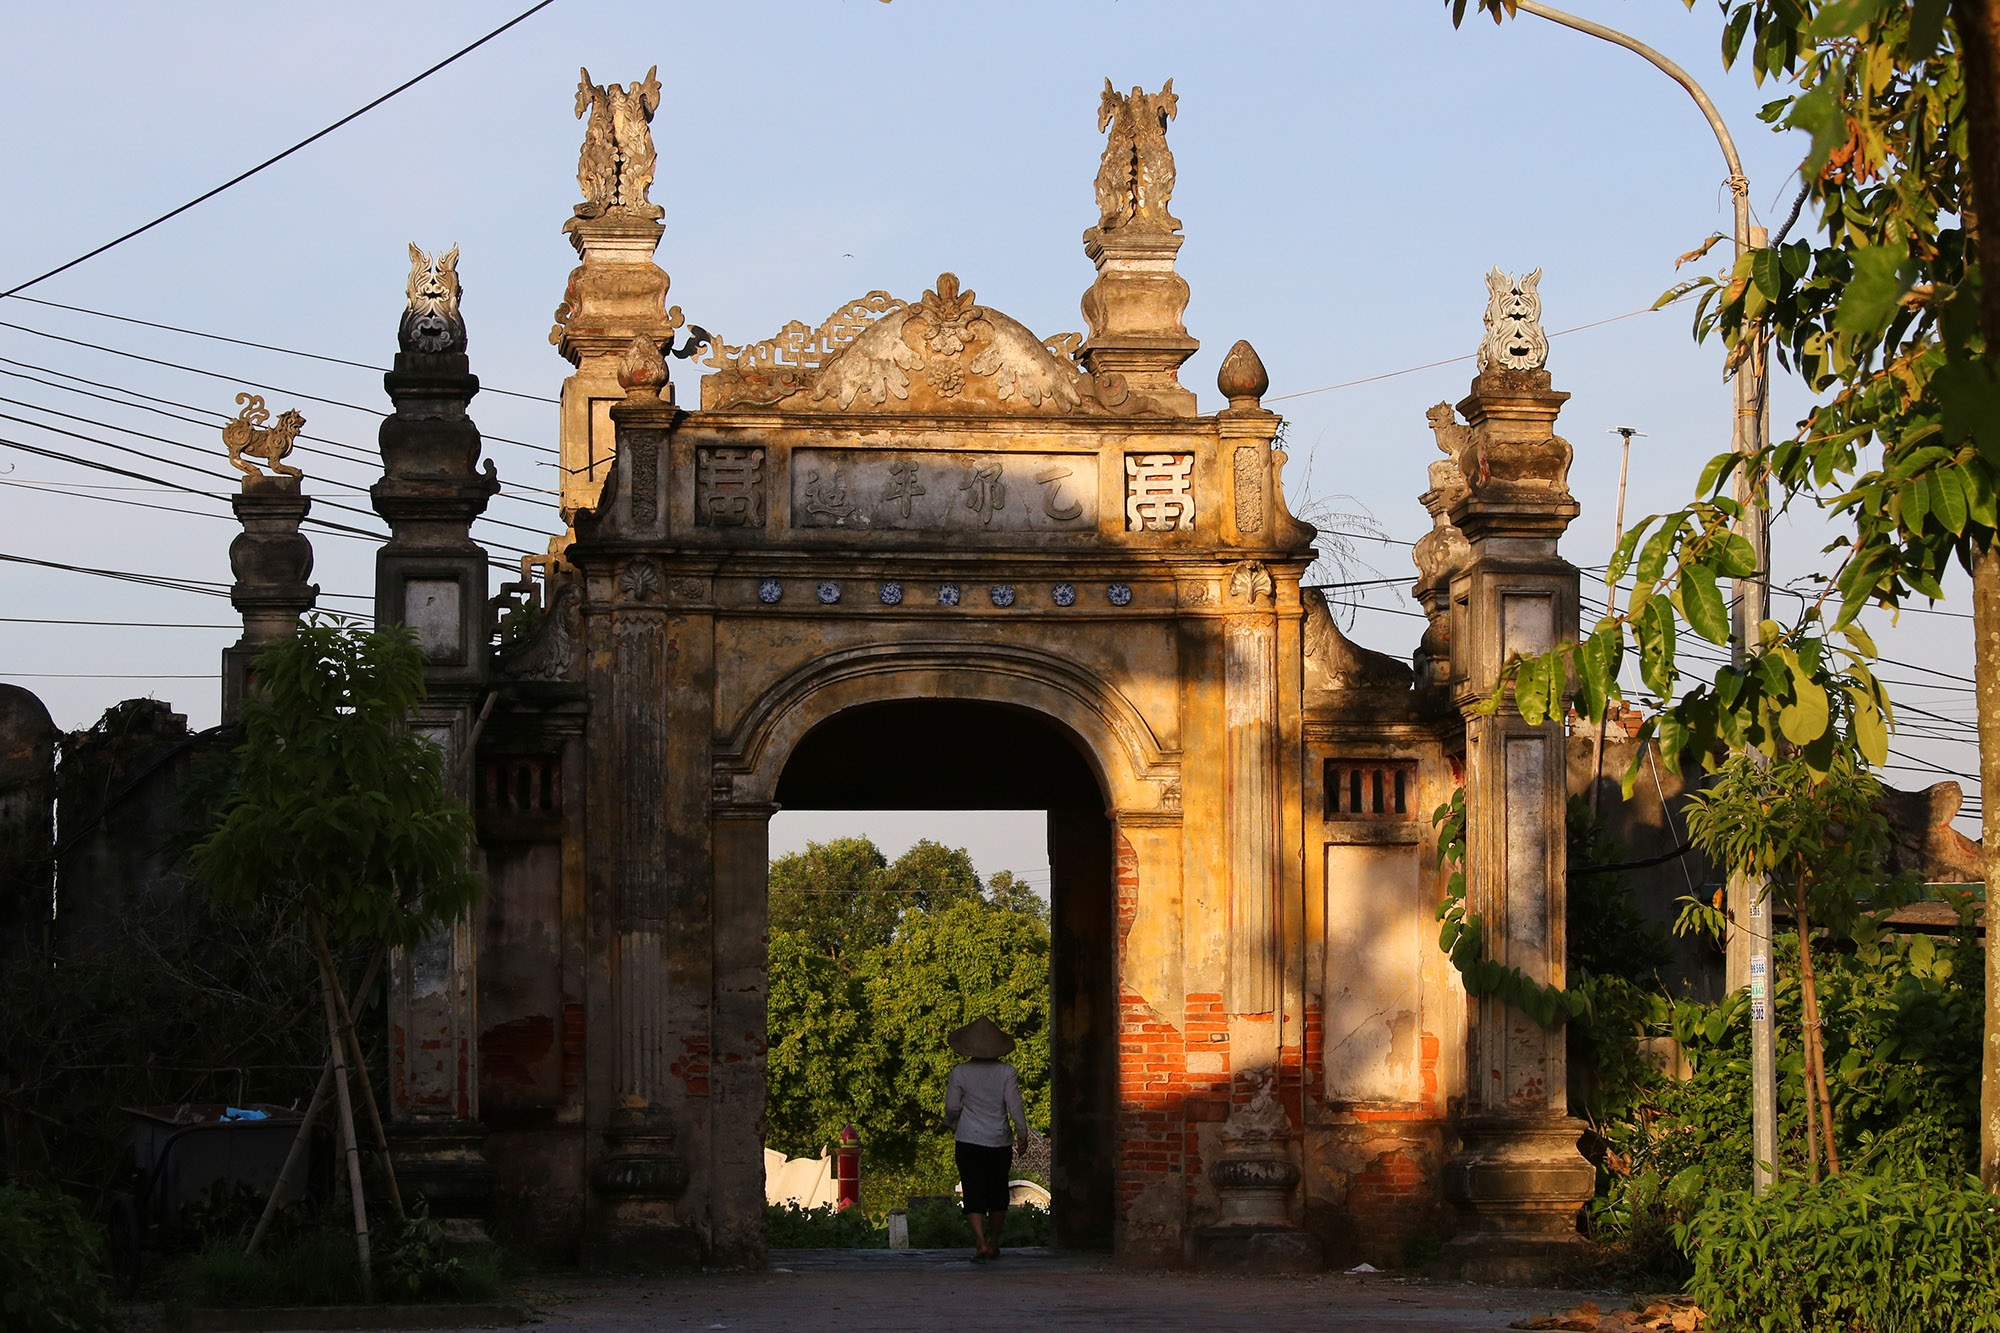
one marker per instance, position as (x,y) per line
(936,1291)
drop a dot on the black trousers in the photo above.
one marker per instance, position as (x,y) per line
(984,1171)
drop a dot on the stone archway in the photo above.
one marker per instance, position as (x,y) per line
(959,754)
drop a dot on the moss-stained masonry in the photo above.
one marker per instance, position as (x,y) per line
(918,554)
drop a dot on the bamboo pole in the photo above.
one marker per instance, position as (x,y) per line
(360,1065)
(350,1148)
(292,1158)
(303,1142)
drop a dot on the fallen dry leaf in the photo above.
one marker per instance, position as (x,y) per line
(1673,1315)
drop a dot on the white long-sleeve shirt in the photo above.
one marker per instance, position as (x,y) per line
(980,1098)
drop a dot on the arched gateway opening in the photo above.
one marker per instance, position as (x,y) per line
(957,754)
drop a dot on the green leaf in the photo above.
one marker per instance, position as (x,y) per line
(1860,638)
(1844,18)
(1735,556)
(1871,735)
(1531,690)
(1716,471)
(1621,559)
(1595,658)
(1882,273)
(1702,603)
(1947,496)
(1804,720)
(1913,503)
(1926,29)
(1655,631)
(1767,271)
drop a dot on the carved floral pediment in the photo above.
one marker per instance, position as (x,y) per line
(942,354)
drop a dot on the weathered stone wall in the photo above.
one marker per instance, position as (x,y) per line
(121,820)
(27,821)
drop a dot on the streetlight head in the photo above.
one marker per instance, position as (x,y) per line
(1629,432)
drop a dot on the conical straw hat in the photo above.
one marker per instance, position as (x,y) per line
(981,1039)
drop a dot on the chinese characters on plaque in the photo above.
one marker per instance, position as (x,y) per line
(936,491)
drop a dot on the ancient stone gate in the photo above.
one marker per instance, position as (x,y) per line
(918,555)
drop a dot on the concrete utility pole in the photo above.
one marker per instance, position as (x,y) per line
(1749,959)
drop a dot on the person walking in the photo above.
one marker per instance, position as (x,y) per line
(981,1098)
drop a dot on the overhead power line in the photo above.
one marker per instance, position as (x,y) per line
(273,160)
(351,454)
(205,587)
(109,675)
(238,379)
(262,347)
(60,456)
(116,624)
(1433,365)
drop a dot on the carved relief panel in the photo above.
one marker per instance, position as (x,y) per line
(729,488)
(1159,493)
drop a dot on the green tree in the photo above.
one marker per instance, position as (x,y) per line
(872,963)
(339,816)
(1818,840)
(944,969)
(1886,318)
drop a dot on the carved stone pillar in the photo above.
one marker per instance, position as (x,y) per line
(1250,702)
(1137,339)
(659,941)
(1518,1177)
(272,561)
(616,294)
(431,576)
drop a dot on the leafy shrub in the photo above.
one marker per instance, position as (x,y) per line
(1855,1252)
(316,1266)
(941,1225)
(790,1227)
(48,1266)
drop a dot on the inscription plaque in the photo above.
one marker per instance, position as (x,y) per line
(927,491)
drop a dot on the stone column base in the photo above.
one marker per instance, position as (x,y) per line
(636,1184)
(1257,1249)
(1518,1184)
(444,1163)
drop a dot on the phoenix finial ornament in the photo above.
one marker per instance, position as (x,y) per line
(615,169)
(1514,337)
(431,322)
(1135,182)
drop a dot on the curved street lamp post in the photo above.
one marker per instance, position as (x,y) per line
(1749,958)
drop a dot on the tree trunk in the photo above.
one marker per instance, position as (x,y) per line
(1978,27)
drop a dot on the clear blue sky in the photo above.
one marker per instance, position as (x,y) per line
(1347,173)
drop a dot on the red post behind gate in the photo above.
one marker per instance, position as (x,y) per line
(847,1169)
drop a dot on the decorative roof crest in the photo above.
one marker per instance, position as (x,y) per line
(1135,181)
(615,168)
(870,353)
(431,322)
(764,372)
(1514,337)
